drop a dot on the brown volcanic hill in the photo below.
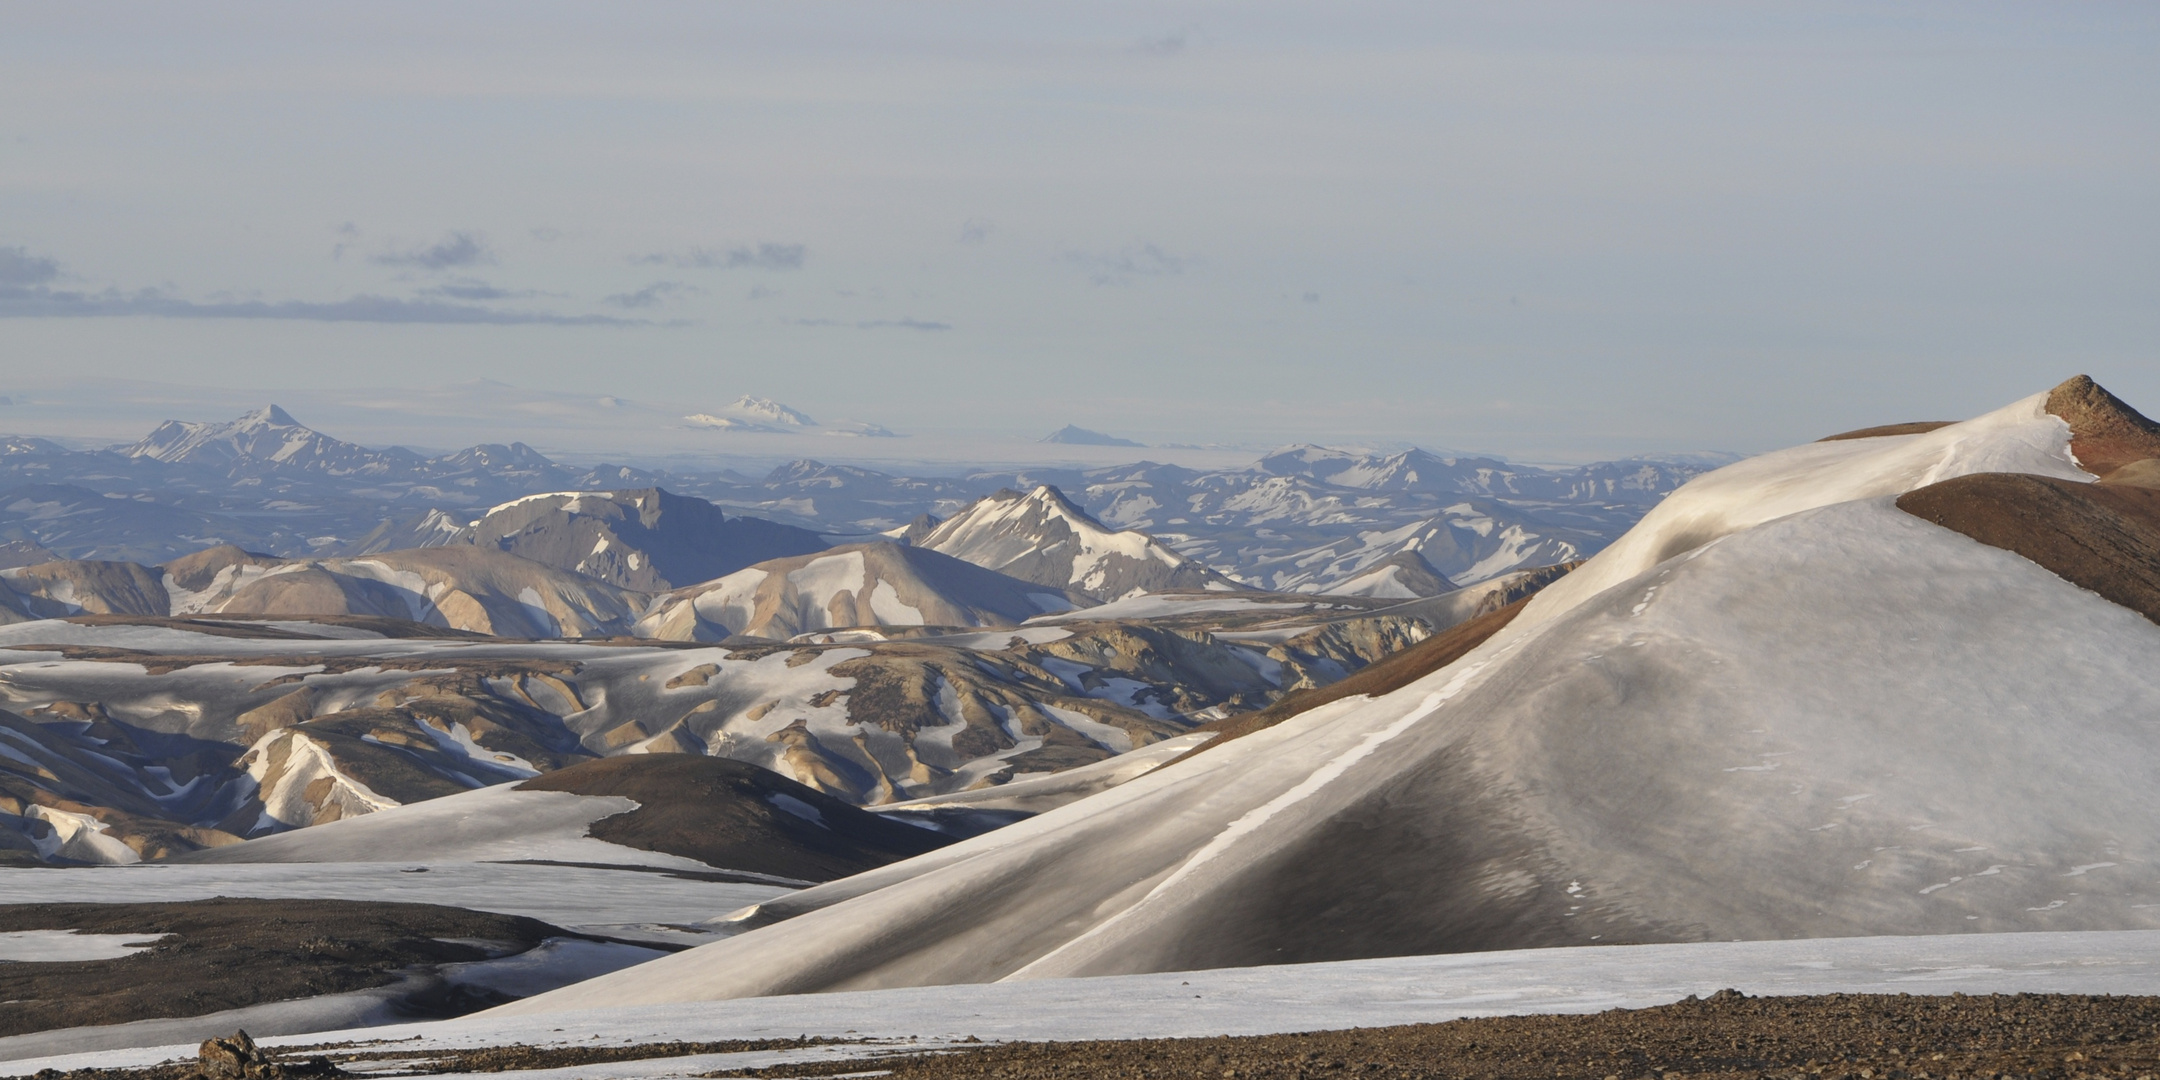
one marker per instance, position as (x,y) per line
(728,813)
(2104,537)
(87,585)
(2105,432)
(1916,427)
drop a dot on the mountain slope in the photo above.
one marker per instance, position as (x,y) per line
(1042,537)
(465,588)
(1404,575)
(650,809)
(880,584)
(650,540)
(1780,707)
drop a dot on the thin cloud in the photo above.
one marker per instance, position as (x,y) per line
(20,268)
(1170,44)
(877,324)
(976,231)
(37,302)
(1122,267)
(347,233)
(761,257)
(455,249)
(651,295)
(468,289)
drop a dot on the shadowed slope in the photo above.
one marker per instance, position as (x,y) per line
(726,813)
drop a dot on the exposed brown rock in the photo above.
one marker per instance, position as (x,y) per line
(236,1057)
(738,816)
(2105,432)
(2144,473)
(2102,537)
(1915,427)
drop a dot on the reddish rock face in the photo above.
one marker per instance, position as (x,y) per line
(2105,433)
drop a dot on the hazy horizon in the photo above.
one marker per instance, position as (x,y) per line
(1556,232)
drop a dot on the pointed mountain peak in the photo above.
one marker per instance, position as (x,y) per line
(269,416)
(2105,432)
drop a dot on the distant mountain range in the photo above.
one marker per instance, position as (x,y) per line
(1305,518)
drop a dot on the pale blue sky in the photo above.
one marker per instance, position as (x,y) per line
(1550,230)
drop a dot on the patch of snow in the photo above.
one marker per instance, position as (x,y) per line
(69,946)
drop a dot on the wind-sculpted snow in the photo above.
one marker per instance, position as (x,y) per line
(1826,718)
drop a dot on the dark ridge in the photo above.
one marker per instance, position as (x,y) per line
(213,955)
(1377,678)
(2102,537)
(2105,432)
(256,626)
(1916,427)
(733,815)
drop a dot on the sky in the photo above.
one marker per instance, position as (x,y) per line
(1553,231)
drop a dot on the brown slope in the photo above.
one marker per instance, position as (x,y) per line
(2105,432)
(1380,677)
(725,813)
(2102,537)
(1916,427)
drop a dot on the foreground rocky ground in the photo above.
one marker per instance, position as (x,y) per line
(1833,1037)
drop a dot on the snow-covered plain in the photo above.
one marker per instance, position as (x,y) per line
(572,897)
(1308,997)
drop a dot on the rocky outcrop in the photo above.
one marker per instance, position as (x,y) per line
(2105,432)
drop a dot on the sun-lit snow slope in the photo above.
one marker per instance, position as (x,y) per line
(1042,537)
(1842,721)
(878,584)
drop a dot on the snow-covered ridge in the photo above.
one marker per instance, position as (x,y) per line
(2019,438)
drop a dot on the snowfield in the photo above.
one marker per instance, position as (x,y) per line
(1262,1000)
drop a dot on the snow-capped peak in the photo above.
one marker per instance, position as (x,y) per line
(1043,536)
(769,411)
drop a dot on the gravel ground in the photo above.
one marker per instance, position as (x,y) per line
(1729,1035)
